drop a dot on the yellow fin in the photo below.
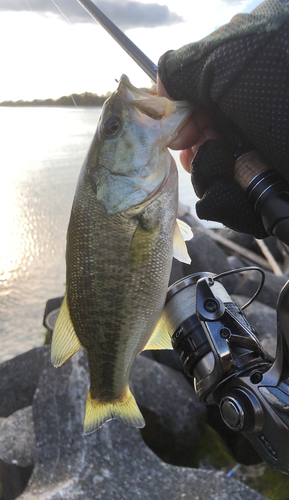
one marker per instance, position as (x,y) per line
(182,232)
(160,338)
(124,409)
(64,340)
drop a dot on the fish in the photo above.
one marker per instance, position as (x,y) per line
(122,235)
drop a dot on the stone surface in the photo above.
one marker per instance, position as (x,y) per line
(17,452)
(269,294)
(17,442)
(113,462)
(208,256)
(19,378)
(174,416)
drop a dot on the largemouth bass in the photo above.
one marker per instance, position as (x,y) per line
(121,239)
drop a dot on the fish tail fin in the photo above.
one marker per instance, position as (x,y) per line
(123,408)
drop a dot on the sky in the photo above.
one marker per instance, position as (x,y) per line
(52,48)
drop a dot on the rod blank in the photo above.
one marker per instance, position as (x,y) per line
(133,51)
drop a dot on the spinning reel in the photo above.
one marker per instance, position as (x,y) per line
(220,350)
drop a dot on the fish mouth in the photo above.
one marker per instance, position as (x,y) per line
(157,108)
(146,102)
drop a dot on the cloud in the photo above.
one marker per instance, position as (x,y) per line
(126,14)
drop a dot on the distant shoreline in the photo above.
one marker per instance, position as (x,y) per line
(85,99)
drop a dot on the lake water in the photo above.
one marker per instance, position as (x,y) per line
(42,150)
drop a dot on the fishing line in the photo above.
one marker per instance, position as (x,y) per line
(61,12)
(71,24)
(72,98)
(28,5)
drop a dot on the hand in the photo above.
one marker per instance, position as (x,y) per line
(205,157)
(195,132)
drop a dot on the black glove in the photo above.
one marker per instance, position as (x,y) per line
(222,199)
(240,75)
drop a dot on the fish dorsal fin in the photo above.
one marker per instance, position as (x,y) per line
(160,338)
(124,409)
(182,232)
(64,340)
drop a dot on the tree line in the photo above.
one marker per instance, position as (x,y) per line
(85,99)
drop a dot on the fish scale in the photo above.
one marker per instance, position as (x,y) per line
(119,250)
(113,311)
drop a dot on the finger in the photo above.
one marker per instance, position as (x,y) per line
(187,156)
(187,136)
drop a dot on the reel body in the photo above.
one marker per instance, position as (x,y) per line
(220,350)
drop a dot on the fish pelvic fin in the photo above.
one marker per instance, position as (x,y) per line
(160,338)
(124,409)
(182,233)
(65,342)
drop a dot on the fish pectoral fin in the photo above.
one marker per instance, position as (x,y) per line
(182,232)
(160,338)
(65,343)
(123,408)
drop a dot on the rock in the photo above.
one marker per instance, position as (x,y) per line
(269,294)
(177,271)
(17,452)
(249,242)
(19,378)
(17,442)
(166,357)
(236,262)
(113,462)
(174,421)
(208,256)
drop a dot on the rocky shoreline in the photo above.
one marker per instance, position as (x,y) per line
(184,450)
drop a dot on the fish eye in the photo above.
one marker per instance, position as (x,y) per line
(112,125)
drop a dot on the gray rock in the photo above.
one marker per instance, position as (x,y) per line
(249,242)
(165,357)
(17,442)
(113,462)
(19,378)
(270,291)
(208,256)
(177,271)
(174,415)
(235,262)
(17,452)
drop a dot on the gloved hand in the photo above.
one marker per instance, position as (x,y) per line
(238,76)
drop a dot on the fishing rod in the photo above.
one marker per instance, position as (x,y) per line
(214,340)
(132,50)
(266,190)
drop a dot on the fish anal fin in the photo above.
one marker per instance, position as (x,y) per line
(160,338)
(182,232)
(124,408)
(65,343)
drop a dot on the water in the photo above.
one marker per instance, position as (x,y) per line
(42,150)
